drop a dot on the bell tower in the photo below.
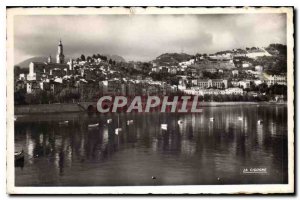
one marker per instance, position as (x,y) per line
(60,58)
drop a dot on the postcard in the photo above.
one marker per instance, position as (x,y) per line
(186,100)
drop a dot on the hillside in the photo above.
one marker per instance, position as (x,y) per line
(25,63)
(116,58)
(172,58)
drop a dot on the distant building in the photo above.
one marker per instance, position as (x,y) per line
(60,58)
(211,70)
(258,82)
(235,72)
(22,77)
(210,83)
(245,65)
(113,87)
(259,68)
(276,79)
(244,84)
(234,90)
(257,52)
(32,87)
(38,69)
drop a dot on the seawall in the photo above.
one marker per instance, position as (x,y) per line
(48,108)
(74,107)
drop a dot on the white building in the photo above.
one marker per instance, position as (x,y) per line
(234,90)
(187,63)
(245,65)
(257,53)
(259,68)
(235,72)
(245,84)
(22,77)
(258,82)
(276,79)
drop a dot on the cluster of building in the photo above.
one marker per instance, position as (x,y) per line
(222,63)
(54,76)
(132,87)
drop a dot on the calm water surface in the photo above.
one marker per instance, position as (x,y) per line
(195,152)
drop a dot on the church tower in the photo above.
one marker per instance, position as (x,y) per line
(60,58)
(49,59)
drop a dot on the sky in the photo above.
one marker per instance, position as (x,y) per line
(143,37)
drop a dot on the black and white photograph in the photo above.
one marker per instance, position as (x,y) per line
(150,100)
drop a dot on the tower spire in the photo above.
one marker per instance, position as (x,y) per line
(60,53)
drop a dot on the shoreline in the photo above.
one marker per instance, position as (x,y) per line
(75,107)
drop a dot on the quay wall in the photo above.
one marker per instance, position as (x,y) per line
(84,106)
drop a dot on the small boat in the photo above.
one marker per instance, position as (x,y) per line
(240,118)
(63,123)
(93,125)
(211,119)
(180,121)
(129,122)
(19,156)
(109,121)
(118,130)
(164,126)
(260,121)
(15,118)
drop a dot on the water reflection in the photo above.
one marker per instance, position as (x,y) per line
(197,151)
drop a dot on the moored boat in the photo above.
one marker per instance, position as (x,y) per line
(129,122)
(19,156)
(63,123)
(180,121)
(93,125)
(164,126)
(118,130)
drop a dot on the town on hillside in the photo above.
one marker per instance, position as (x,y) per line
(250,74)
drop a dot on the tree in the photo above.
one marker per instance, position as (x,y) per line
(82,57)
(263,88)
(89,59)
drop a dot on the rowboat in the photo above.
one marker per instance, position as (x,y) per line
(180,121)
(164,126)
(129,122)
(118,130)
(93,125)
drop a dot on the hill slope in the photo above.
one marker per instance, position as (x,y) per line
(116,58)
(25,63)
(172,58)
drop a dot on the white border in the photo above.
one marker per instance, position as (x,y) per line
(199,189)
